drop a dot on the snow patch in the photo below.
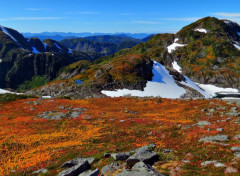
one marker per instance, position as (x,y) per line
(70,51)
(3,29)
(1,60)
(47,97)
(162,85)
(237,46)
(2,91)
(192,85)
(201,30)
(174,46)
(212,90)
(176,67)
(45,45)
(35,50)
(57,46)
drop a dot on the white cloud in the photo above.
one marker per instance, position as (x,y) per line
(35,9)
(84,13)
(30,18)
(229,15)
(146,22)
(184,19)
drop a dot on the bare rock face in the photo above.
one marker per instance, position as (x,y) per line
(76,169)
(145,155)
(142,169)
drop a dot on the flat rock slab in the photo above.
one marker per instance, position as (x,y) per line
(77,161)
(111,167)
(140,169)
(145,155)
(203,123)
(214,162)
(51,115)
(40,171)
(120,156)
(95,172)
(217,138)
(235,149)
(75,170)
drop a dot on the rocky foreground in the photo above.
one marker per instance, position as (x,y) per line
(119,136)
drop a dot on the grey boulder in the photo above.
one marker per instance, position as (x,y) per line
(145,155)
(95,172)
(75,170)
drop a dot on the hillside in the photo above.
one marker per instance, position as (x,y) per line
(103,44)
(198,61)
(207,51)
(192,137)
(24,59)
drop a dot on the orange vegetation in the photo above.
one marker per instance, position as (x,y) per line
(116,124)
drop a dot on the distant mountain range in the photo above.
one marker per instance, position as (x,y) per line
(66,35)
(199,60)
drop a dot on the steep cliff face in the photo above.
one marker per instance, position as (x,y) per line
(22,59)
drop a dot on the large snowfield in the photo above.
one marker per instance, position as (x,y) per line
(163,85)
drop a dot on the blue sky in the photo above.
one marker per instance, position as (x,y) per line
(135,16)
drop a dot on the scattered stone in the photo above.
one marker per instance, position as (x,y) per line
(203,123)
(36,103)
(145,155)
(204,110)
(237,154)
(159,101)
(95,172)
(167,150)
(32,109)
(140,169)
(122,121)
(120,156)
(74,114)
(220,129)
(107,155)
(235,149)
(40,171)
(75,170)
(61,107)
(86,117)
(237,137)
(230,170)
(79,109)
(186,127)
(217,138)
(77,161)
(110,168)
(52,115)
(214,162)
(234,109)
(235,114)
(211,110)
(221,108)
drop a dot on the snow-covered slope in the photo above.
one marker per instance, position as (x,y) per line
(3,29)
(176,67)
(212,90)
(174,46)
(162,85)
(2,91)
